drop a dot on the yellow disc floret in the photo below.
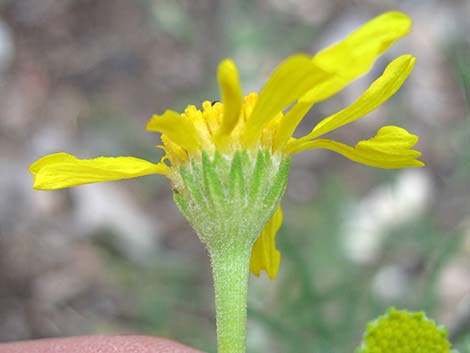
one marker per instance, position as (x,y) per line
(400,331)
(202,130)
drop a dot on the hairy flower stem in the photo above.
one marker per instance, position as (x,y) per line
(230,268)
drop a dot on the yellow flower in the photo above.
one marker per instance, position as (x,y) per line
(260,122)
(400,331)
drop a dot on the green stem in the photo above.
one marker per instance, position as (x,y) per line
(230,269)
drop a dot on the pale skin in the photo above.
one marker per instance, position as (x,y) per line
(101,344)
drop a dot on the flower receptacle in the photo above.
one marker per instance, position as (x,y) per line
(229,199)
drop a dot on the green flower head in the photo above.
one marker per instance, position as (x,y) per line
(400,331)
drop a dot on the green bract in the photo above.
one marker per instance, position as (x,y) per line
(229,199)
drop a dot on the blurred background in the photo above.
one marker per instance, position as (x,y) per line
(83,76)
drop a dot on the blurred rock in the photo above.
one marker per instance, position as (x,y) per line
(107,206)
(7,48)
(390,283)
(454,285)
(302,186)
(15,192)
(436,98)
(75,276)
(382,209)
(23,97)
(13,324)
(310,11)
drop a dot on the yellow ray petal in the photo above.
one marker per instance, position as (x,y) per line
(354,56)
(289,123)
(177,128)
(379,92)
(390,148)
(289,81)
(231,92)
(62,170)
(265,256)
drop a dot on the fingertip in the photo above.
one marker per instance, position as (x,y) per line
(102,344)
